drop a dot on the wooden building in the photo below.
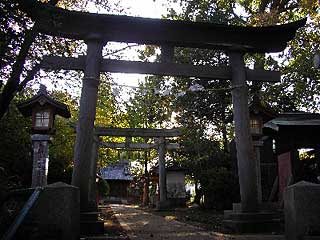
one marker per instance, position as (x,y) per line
(119,178)
(293,131)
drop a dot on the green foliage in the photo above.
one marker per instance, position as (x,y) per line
(61,148)
(219,187)
(103,187)
(210,168)
(15,149)
(148,107)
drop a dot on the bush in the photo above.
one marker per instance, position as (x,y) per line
(103,187)
(219,187)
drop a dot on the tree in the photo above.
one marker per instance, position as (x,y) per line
(295,63)
(20,38)
(62,145)
(22,46)
(209,168)
(148,108)
(15,149)
(194,108)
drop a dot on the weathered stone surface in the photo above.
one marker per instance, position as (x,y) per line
(255,222)
(302,210)
(57,211)
(40,144)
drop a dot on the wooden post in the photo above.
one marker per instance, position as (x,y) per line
(257,145)
(145,199)
(162,172)
(84,139)
(245,154)
(93,170)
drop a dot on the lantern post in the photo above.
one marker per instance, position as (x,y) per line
(43,109)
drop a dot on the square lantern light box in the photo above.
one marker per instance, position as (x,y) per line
(259,115)
(43,109)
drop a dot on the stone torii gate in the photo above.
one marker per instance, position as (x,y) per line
(161,145)
(97,29)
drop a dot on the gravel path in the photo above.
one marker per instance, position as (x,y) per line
(145,226)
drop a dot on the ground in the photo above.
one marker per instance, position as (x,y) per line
(132,222)
(205,218)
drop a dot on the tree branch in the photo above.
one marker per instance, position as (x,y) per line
(12,84)
(275,5)
(30,75)
(263,5)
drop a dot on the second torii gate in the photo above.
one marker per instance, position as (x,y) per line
(97,29)
(161,145)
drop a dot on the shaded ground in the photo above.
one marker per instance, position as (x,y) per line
(112,226)
(207,219)
(140,224)
(145,225)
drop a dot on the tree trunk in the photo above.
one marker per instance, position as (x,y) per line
(12,85)
(224,130)
(197,197)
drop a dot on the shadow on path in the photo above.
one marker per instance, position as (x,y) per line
(139,224)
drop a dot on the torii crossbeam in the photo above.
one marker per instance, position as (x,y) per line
(98,29)
(161,145)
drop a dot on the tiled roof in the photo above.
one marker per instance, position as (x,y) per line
(294,119)
(118,171)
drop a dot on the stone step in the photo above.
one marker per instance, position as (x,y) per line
(253,226)
(104,237)
(259,216)
(88,228)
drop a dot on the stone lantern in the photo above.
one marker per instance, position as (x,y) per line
(259,114)
(256,124)
(43,109)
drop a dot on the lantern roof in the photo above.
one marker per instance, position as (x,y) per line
(171,168)
(258,108)
(41,99)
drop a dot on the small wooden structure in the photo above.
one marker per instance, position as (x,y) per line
(175,186)
(292,131)
(119,177)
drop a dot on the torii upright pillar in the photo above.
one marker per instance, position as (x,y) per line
(162,173)
(245,154)
(85,126)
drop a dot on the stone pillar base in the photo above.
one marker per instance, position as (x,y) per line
(90,225)
(55,214)
(268,219)
(163,205)
(302,211)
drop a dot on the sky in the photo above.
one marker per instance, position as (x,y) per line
(137,8)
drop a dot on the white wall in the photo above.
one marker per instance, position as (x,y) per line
(176,184)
